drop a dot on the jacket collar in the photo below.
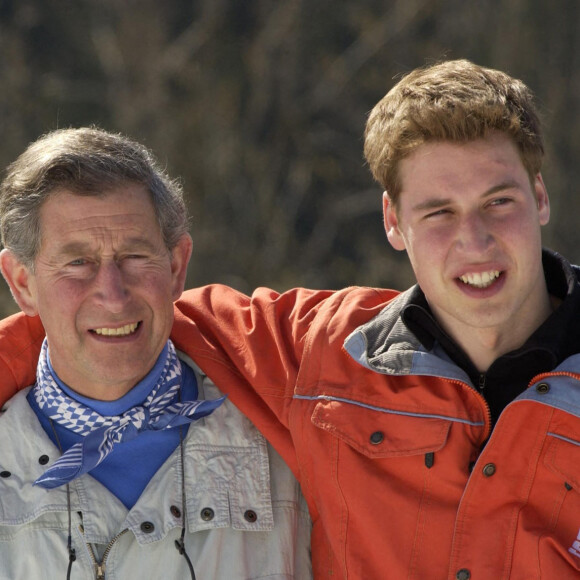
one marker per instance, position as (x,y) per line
(386,345)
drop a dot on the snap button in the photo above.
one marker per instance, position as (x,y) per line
(175,511)
(250,516)
(489,469)
(147,527)
(543,388)
(463,574)
(207,514)
(43,459)
(377,437)
(5,474)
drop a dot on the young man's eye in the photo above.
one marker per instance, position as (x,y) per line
(500,201)
(438,213)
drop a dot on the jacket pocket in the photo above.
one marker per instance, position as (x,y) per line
(379,433)
(559,544)
(563,458)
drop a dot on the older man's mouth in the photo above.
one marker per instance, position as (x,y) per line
(120,331)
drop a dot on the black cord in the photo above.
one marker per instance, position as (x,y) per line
(180,544)
(72,556)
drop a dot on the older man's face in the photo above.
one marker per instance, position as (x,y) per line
(104,286)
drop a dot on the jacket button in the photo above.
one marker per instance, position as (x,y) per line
(175,511)
(147,527)
(377,437)
(43,459)
(207,514)
(543,388)
(463,574)
(250,516)
(489,469)
(5,474)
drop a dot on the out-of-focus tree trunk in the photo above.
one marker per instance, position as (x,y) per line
(260,107)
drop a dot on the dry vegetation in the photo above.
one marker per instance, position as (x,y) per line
(259,106)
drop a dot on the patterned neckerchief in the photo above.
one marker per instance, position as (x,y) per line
(160,410)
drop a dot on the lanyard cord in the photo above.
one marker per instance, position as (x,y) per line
(71,551)
(180,544)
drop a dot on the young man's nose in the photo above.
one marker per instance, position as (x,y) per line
(473,233)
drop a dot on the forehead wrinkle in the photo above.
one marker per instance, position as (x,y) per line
(104,238)
(117,240)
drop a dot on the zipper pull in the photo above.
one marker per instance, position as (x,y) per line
(99,572)
(481,385)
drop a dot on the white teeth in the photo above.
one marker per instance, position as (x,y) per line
(121,331)
(480,279)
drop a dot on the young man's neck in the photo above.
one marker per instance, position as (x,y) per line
(485,345)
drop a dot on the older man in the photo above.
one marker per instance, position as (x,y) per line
(122,460)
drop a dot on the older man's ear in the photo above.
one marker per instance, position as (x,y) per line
(180,256)
(21,281)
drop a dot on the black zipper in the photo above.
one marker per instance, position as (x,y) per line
(481,384)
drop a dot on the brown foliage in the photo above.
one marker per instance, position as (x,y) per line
(260,107)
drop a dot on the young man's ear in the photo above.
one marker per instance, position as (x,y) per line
(542,200)
(21,281)
(392,223)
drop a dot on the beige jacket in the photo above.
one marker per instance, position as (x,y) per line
(246,518)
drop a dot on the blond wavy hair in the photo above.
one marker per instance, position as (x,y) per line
(455,101)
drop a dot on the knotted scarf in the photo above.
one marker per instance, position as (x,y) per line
(160,410)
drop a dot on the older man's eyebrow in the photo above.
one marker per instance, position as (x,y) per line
(79,248)
(74,249)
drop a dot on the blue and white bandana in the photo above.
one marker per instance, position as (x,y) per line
(160,410)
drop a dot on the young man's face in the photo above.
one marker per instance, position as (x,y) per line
(470,220)
(103,285)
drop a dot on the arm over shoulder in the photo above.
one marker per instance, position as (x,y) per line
(21,337)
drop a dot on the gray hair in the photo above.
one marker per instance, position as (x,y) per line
(85,161)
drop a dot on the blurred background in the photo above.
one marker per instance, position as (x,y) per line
(260,105)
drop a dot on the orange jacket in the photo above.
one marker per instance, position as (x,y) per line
(386,438)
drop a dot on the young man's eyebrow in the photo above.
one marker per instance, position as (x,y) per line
(508,184)
(439,202)
(433,203)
